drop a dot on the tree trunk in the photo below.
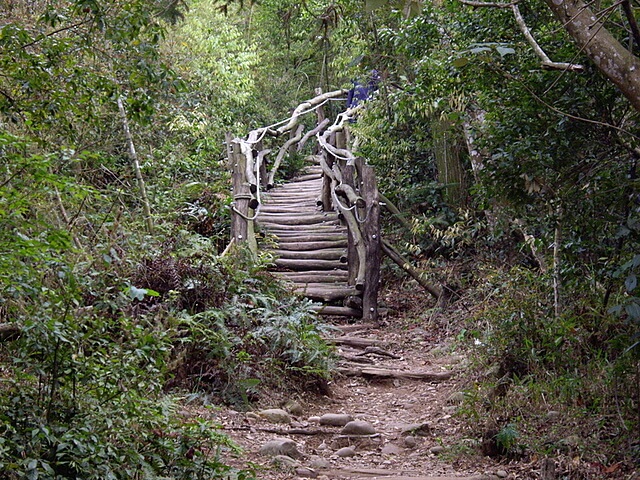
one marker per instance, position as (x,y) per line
(136,166)
(617,63)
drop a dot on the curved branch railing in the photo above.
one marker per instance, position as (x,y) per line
(349,187)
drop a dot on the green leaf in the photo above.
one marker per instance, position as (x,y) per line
(631,282)
(633,310)
(505,51)
(137,293)
(460,62)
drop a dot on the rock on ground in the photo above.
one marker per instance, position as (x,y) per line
(281,446)
(358,427)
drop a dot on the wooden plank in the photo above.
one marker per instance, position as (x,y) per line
(328,226)
(308,264)
(288,208)
(305,278)
(339,274)
(327,294)
(311,245)
(324,254)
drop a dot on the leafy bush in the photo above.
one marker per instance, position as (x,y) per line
(260,336)
(82,396)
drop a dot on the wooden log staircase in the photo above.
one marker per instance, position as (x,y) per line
(322,227)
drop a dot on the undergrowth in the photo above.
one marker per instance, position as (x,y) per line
(107,348)
(551,386)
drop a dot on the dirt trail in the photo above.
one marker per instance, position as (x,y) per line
(417,432)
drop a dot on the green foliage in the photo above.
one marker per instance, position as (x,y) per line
(260,337)
(507,438)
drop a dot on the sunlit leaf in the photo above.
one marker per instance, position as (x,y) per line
(505,51)
(460,62)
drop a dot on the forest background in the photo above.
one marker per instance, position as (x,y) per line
(517,176)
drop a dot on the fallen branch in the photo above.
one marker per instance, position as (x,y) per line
(380,373)
(378,351)
(352,341)
(395,212)
(357,359)
(403,263)
(278,431)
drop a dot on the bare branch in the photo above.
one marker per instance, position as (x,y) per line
(473,3)
(546,61)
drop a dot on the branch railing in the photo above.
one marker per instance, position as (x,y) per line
(349,187)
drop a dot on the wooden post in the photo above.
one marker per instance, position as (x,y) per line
(241,194)
(262,159)
(326,182)
(352,255)
(371,237)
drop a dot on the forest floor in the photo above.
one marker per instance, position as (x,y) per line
(418,425)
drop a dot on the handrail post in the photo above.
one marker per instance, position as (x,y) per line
(241,228)
(370,228)
(353,262)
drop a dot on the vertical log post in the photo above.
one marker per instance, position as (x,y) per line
(371,237)
(320,114)
(264,174)
(326,182)
(241,193)
(353,262)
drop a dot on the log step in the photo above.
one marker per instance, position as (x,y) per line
(307,242)
(324,254)
(325,293)
(283,244)
(306,264)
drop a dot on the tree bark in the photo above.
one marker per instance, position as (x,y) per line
(136,166)
(617,63)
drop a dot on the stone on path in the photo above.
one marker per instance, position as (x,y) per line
(391,449)
(419,429)
(294,408)
(319,463)
(275,415)
(346,452)
(358,427)
(410,442)
(284,461)
(335,419)
(306,472)
(281,446)
(436,450)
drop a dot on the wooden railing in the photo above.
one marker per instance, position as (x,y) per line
(349,187)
